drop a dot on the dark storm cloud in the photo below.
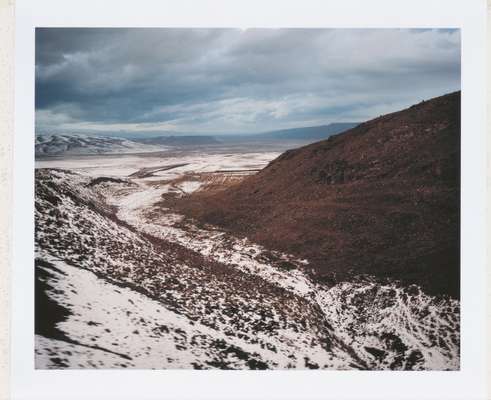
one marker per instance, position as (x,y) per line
(230,80)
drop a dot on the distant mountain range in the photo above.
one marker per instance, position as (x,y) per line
(77,144)
(380,199)
(308,133)
(72,144)
(188,140)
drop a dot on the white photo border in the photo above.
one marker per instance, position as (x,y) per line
(467,383)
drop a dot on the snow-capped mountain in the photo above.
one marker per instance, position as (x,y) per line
(56,145)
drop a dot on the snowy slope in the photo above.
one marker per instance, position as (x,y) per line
(142,288)
(251,319)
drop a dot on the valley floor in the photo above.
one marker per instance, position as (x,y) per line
(123,282)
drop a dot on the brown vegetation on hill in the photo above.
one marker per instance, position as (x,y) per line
(382,198)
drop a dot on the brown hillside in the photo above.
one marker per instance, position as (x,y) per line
(381,198)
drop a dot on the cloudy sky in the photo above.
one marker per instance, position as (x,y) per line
(138,81)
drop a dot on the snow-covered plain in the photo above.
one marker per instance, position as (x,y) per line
(198,297)
(123,165)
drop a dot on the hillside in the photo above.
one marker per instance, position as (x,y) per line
(380,199)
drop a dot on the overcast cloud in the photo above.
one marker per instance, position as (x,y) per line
(232,80)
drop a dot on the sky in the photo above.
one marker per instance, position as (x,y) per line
(139,81)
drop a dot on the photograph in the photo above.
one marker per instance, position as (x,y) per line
(247,198)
